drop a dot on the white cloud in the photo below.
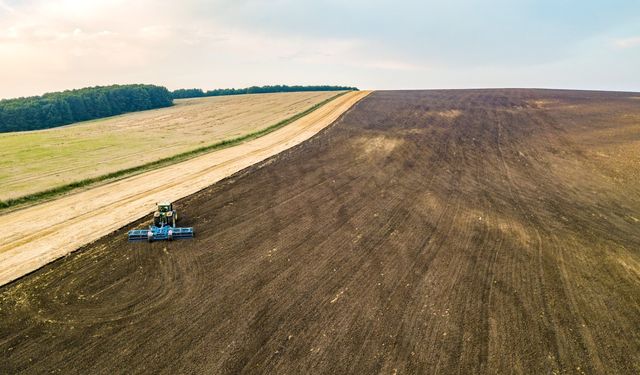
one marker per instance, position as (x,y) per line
(627,42)
(5,8)
(54,45)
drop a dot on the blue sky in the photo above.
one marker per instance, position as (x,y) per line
(375,44)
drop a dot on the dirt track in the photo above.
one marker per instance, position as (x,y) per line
(34,236)
(476,231)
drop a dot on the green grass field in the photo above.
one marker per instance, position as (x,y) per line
(32,162)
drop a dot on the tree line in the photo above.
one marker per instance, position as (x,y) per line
(66,107)
(197,93)
(62,108)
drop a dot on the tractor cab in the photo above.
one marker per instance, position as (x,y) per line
(164,207)
(165,215)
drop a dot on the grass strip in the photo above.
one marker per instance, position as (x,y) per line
(63,189)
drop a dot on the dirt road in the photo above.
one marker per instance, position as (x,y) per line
(449,232)
(37,235)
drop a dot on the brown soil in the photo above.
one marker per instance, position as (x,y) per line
(499,240)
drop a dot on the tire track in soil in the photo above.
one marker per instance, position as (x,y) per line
(444,231)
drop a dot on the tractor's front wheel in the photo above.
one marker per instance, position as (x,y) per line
(156,221)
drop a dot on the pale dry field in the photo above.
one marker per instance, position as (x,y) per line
(39,160)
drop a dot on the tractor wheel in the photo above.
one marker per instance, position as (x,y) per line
(156,221)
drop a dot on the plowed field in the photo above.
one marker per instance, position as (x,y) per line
(472,231)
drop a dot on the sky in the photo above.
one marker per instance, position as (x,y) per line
(55,45)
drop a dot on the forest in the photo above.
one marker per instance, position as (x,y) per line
(197,93)
(61,108)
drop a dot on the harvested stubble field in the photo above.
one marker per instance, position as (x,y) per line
(475,231)
(35,161)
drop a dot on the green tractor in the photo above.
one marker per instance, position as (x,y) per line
(165,215)
(163,228)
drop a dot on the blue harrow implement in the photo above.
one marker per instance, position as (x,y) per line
(162,233)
